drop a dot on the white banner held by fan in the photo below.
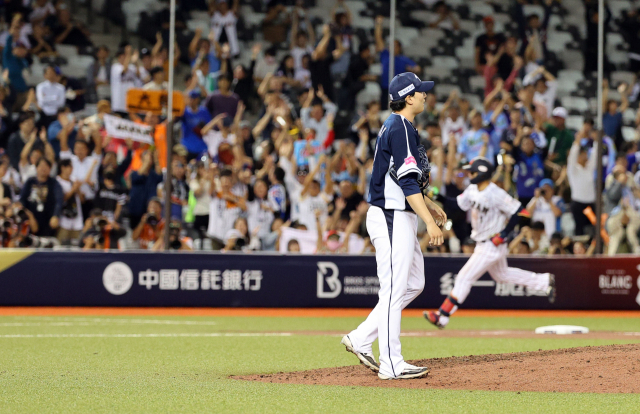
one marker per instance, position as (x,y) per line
(307,240)
(122,128)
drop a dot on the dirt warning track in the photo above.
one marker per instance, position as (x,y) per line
(601,369)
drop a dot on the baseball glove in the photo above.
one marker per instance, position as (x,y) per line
(423,181)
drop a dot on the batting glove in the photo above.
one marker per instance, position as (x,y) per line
(497,240)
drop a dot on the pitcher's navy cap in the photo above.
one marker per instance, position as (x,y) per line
(407,83)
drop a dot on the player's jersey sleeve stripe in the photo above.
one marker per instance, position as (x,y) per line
(405,169)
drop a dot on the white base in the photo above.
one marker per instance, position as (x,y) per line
(562,330)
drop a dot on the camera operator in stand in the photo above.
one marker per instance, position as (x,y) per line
(176,240)
(99,233)
(151,225)
(17,227)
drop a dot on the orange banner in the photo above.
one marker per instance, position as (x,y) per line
(141,101)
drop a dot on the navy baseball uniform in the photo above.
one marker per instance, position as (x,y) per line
(400,168)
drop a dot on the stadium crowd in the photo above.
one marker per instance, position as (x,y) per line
(275,153)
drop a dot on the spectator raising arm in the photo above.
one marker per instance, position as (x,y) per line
(380,46)
(263,122)
(193,46)
(215,122)
(605,95)
(26,151)
(355,218)
(49,153)
(518,62)
(157,47)
(264,85)
(321,49)
(498,88)
(624,97)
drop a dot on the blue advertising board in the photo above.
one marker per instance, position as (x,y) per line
(52,278)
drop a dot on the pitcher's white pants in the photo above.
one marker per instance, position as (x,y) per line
(488,257)
(401,272)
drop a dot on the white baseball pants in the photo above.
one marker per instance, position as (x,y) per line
(488,257)
(401,272)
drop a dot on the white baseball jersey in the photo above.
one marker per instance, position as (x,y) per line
(226,22)
(306,206)
(222,216)
(490,209)
(259,217)
(458,128)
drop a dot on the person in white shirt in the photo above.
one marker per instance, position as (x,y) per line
(85,167)
(581,172)
(50,95)
(71,220)
(307,199)
(267,65)
(546,207)
(444,18)
(225,208)
(317,114)
(453,126)
(31,155)
(41,9)
(303,40)
(259,211)
(546,87)
(11,177)
(303,74)
(226,134)
(157,80)
(223,23)
(124,76)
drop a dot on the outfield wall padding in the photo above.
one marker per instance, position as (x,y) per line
(52,278)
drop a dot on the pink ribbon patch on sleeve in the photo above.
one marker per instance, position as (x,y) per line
(410,160)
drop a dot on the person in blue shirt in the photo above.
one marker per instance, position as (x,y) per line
(494,117)
(200,48)
(144,183)
(14,61)
(612,116)
(475,142)
(528,171)
(195,117)
(401,63)
(65,120)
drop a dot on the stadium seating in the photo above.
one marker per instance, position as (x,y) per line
(575,104)
(629,133)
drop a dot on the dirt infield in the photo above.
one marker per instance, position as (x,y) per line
(293,312)
(601,369)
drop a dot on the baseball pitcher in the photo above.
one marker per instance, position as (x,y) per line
(400,169)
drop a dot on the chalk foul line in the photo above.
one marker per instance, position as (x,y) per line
(152,335)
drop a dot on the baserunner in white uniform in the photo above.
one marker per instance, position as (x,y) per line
(494,215)
(400,169)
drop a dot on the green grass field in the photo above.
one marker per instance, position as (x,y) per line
(160,364)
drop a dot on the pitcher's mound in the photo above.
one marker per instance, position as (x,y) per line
(601,369)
